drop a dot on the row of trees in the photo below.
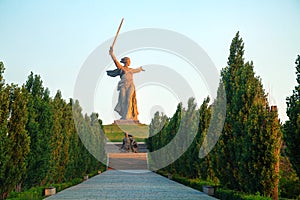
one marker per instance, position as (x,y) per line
(246,156)
(292,126)
(39,144)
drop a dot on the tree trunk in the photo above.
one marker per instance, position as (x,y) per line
(277,157)
(276,169)
(19,187)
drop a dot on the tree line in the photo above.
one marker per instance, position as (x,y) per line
(39,144)
(246,157)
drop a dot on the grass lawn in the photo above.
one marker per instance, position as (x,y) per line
(115,133)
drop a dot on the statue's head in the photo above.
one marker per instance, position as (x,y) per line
(125,61)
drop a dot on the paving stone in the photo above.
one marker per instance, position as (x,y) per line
(129,184)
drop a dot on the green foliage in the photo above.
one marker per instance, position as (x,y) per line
(220,193)
(31,194)
(2,68)
(155,131)
(92,137)
(195,183)
(15,138)
(170,132)
(246,157)
(202,168)
(39,127)
(290,188)
(37,193)
(289,183)
(183,125)
(186,133)
(115,133)
(230,142)
(39,144)
(226,194)
(248,150)
(4,139)
(292,126)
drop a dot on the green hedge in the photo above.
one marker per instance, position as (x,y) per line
(289,188)
(220,193)
(225,194)
(37,193)
(193,183)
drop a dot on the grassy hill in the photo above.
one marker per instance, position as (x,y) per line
(115,133)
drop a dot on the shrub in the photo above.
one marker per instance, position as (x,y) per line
(220,193)
(37,193)
(225,194)
(289,188)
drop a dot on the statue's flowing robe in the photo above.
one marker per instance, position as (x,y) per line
(127,104)
(114,73)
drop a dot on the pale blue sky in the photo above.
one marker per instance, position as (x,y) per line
(54,38)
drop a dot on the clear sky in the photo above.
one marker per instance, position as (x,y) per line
(54,38)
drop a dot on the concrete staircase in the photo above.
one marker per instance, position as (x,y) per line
(126,161)
(114,147)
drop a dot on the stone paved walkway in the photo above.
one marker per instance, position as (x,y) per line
(131,185)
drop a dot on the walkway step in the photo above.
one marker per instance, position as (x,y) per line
(128,161)
(131,184)
(114,147)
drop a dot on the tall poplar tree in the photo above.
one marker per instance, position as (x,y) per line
(202,167)
(292,126)
(186,134)
(39,127)
(18,140)
(57,138)
(156,127)
(4,140)
(172,130)
(249,146)
(231,138)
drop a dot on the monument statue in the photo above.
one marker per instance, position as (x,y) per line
(127,105)
(129,144)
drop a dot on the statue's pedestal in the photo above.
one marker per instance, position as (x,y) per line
(127,122)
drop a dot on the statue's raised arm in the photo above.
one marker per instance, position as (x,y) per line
(117,63)
(127,104)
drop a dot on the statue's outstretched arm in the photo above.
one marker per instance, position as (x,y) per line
(138,70)
(117,63)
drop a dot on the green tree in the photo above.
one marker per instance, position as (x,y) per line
(39,143)
(156,126)
(213,144)
(56,144)
(72,168)
(39,127)
(4,140)
(230,141)
(248,148)
(98,140)
(292,126)
(202,167)
(186,134)
(171,130)
(91,143)
(77,145)
(154,142)
(18,140)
